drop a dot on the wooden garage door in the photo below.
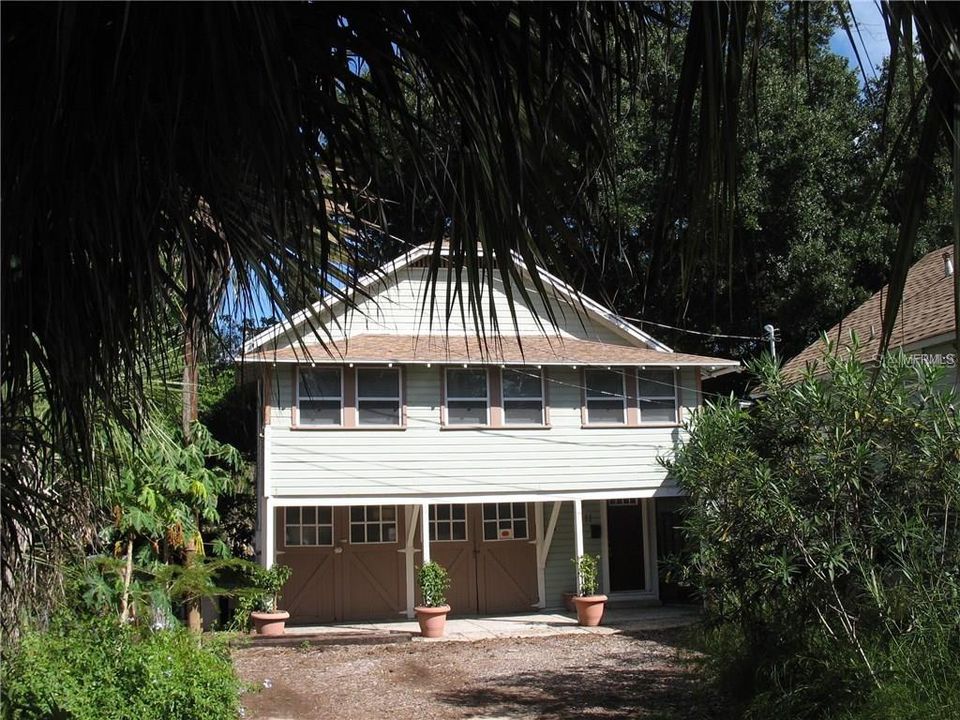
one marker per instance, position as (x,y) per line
(345,562)
(489,553)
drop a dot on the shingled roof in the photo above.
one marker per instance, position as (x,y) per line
(926,312)
(528,350)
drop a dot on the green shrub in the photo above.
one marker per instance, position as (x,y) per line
(98,670)
(434,582)
(824,540)
(588,574)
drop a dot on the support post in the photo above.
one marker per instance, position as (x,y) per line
(410,513)
(425,531)
(541,557)
(269,535)
(578,534)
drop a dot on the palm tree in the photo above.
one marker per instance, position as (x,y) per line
(150,152)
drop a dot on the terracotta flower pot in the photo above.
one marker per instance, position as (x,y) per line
(590,609)
(433,620)
(270,623)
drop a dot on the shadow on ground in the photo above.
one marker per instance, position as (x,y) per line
(610,685)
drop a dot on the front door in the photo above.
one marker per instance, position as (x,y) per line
(625,545)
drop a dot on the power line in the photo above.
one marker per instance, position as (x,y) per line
(692,332)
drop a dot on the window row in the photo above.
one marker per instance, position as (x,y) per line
(610,395)
(370,524)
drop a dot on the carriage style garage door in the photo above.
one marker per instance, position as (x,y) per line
(347,565)
(488,551)
(345,562)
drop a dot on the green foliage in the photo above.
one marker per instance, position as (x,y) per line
(96,586)
(95,669)
(588,574)
(270,584)
(434,581)
(824,536)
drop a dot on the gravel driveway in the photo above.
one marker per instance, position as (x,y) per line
(648,675)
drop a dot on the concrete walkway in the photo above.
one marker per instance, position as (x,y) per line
(534,624)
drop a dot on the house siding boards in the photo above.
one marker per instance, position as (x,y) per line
(426,457)
(396,306)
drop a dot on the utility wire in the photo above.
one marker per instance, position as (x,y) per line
(692,332)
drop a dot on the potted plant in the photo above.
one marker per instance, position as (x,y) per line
(268,619)
(589,604)
(434,582)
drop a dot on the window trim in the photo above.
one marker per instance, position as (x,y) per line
(395,522)
(675,396)
(317,525)
(297,423)
(622,372)
(447,399)
(484,521)
(434,520)
(401,405)
(542,398)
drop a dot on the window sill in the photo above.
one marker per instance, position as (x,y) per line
(494,428)
(624,426)
(347,428)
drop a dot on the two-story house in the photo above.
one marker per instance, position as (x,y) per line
(403,437)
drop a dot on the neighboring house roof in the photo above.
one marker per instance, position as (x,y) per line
(284,343)
(411,349)
(926,314)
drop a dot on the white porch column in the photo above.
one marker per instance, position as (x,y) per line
(541,557)
(425,531)
(578,533)
(269,535)
(410,513)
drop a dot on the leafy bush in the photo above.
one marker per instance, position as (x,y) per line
(434,582)
(97,669)
(588,574)
(825,542)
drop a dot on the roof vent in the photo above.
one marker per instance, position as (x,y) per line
(947,265)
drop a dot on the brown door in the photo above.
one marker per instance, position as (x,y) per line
(489,553)
(506,557)
(353,569)
(453,545)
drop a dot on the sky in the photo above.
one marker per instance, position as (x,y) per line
(871,40)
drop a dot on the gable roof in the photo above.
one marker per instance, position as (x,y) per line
(441,347)
(926,312)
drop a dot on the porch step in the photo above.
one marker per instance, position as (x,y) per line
(308,640)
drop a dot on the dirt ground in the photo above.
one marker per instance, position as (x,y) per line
(648,675)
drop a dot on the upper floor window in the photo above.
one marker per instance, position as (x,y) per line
(378,396)
(319,396)
(468,401)
(522,396)
(657,394)
(606,400)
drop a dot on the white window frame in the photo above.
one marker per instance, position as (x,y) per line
(447,398)
(300,397)
(672,396)
(317,524)
(504,399)
(399,398)
(496,521)
(435,521)
(365,523)
(587,397)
